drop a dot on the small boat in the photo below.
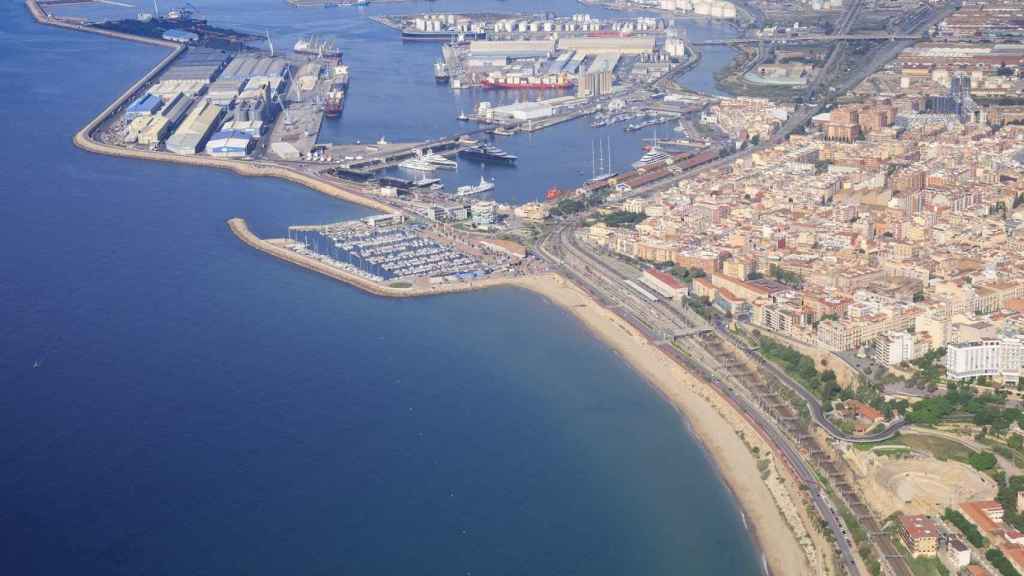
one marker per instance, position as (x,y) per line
(437,187)
(423,182)
(463,117)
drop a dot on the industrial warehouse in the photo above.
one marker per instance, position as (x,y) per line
(223,104)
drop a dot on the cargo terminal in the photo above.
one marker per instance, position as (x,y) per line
(225,104)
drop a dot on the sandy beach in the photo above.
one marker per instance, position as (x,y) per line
(705,412)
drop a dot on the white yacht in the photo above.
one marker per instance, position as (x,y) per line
(440,161)
(418,163)
(484,186)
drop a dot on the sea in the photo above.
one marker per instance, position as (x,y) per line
(173,402)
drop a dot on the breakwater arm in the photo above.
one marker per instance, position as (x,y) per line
(43,17)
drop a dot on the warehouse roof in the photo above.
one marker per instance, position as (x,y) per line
(627,45)
(487,47)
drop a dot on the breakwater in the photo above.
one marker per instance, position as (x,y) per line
(43,17)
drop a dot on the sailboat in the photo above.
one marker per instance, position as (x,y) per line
(600,170)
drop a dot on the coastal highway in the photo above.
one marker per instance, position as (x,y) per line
(654,320)
(813,404)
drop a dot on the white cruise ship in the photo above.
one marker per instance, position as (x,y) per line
(652,156)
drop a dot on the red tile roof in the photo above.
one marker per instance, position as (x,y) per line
(974,511)
(919,527)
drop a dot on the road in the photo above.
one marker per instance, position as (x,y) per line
(817,411)
(808,38)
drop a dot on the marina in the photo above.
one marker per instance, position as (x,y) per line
(384,249)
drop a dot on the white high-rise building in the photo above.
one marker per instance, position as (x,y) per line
(892,348)
(1002,357)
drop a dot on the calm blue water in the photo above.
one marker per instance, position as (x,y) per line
(387,75)
(200,408)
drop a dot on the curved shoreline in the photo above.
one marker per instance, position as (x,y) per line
(726,435)
(722,432)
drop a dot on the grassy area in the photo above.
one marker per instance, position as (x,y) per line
(921,566)
(941,448)
(895,441)
(1014,455)
(927,567)
(893,450)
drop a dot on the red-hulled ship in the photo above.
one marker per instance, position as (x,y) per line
(550,82)
(334,102)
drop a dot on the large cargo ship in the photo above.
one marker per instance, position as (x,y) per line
(516,82)
(334,102)
(414,35)
(317,47)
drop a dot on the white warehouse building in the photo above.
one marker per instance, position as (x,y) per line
(230,144)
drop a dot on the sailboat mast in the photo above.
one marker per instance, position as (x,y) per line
(609,170)
(593,160)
